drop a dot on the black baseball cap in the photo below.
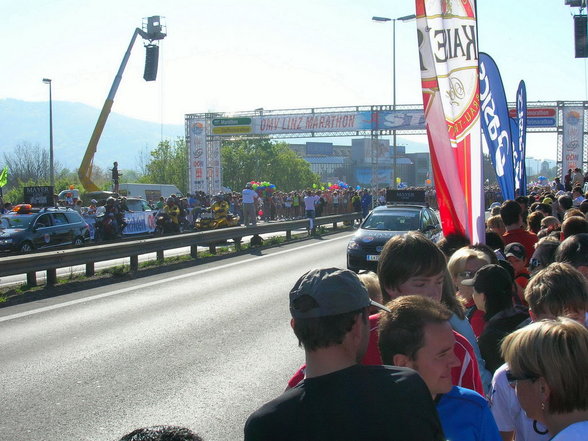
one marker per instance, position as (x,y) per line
(329,291)
(515,249)
(490,278)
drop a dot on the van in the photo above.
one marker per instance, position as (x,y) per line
(149,192)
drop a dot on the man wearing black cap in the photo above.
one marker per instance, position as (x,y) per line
(493,290)
(516,255)
(340,399)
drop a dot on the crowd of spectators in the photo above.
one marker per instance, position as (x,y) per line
(496,331)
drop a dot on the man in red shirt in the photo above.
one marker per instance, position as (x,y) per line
(512,216)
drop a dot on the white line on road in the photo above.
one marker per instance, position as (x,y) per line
(156,282)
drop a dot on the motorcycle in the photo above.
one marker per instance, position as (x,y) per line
(106,228)
(164,224)
(210,219)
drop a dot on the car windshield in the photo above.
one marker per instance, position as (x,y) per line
(16,220)
(135,205)
(393,221)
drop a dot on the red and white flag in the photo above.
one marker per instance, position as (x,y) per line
(448,49)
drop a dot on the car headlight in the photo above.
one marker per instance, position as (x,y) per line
(5,241)
(353,245)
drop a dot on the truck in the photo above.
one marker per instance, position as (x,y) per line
(149,192)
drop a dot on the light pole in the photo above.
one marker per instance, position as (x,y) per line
(51,170)
(393,20)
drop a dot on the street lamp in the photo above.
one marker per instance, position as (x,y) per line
(393,20)
(51,171)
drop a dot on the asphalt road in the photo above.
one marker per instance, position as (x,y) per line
(200,347)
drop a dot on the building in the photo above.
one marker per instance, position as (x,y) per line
(363,161)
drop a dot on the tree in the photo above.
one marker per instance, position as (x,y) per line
(263,160)
(168,164)
(29,163)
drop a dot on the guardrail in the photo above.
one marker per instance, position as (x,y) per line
(50,261)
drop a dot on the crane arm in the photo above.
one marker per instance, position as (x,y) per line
(85,170)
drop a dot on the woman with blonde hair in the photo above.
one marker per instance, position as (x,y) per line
(548,367)
(463,265)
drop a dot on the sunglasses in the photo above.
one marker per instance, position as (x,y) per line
(534,263)
(466,274)
(513,379)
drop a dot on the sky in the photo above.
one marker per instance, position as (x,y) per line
(236,55)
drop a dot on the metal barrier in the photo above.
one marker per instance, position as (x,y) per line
(50,261)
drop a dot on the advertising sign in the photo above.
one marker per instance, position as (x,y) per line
(406,196)
(496,125)
(520,147)
(138,222)
(448,50)
(573,133)
(197,156)
(377,150)
(39,196)
(413,119)
(538,117)
(223,126)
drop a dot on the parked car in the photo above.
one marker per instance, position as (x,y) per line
(26,229)
(384,222)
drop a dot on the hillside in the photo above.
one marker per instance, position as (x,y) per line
(122,140)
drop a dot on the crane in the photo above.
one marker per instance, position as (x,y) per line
(152,31)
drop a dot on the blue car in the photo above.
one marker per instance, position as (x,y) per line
(384,222)
(26,229)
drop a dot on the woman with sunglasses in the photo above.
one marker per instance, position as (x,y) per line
(463,265)
(548,367)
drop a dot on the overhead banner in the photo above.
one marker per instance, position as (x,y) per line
(319,122)
(496,125)
(573,133)
(520,147)
(449,75)
(341,122)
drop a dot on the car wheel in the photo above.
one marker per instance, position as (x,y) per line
(78,241)
(26,247)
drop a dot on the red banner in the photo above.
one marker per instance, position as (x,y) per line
(448,48)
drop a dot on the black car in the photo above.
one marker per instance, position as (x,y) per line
(384,222)
(26,229)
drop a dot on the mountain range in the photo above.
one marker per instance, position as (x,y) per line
(123,138)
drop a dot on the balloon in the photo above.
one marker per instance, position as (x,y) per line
(358,187)
(313,185)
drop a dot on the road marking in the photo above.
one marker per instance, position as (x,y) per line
(157,282)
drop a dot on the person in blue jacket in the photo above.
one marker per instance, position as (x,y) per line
(416,333)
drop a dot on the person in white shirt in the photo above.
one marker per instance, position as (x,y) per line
(555,291)
(310,201)
(548,362)
(250,196)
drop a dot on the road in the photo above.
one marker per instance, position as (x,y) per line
(200,347)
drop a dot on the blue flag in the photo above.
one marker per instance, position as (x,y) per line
(516,154)
(519,154)
(496,124)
